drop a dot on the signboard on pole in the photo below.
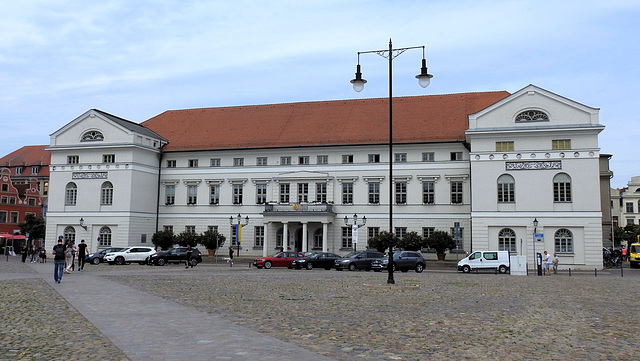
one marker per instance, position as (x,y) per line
(538,237)
(354,233)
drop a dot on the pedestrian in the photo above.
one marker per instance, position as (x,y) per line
(34,252)
(74,250)
(547,263)
(555,264)
(23,252)
(187,262)
(624,254)
(230,256)
(58,261)
(68,256)
(43,255)
(82,252)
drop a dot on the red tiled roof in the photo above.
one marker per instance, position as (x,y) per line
(28,156)
(340,122)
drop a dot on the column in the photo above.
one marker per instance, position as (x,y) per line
(325,230)
(266,237)
(285,236)
(304,237)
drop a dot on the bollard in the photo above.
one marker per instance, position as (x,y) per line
(569,272)
(621,273)
(596,270)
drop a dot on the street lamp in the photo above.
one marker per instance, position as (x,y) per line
(82,224)
(354,228)
(424,79)
(239,223)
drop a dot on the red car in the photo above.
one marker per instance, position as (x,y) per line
(280,259)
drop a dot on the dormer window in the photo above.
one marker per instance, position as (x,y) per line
(92,135)
(532,116)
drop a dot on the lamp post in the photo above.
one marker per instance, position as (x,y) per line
(82,224)
(537,263)
(424,79)
(354,228)
(239,223)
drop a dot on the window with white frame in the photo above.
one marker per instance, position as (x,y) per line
(374,193)
(507,240)
(456,192)
(214,162)
(3,217)
(69,234)
(285,192)
(401,192)
(14,217)
(192,194)
(106,194)
(169,194)
(373,232)
(71,194)
(562,188)
(171,163)
(506,189)
(347,159)
(400,157)
(238,162)
(374,158)
(629,207)
(563,239)
(456,155)
(347,241)
(321,192)
(237,193)
(322,159)
(317,239)
(193,163)
(214,193)
(167,228)
(347,193)
(108,158)
(35,169)
(285,160)
(105,237)
(261,193)
(303,160)
(73,159)
(303,192)
(258,236)
(190,229)
(400,232)
(427,232)
(19,170)
(428,157)
(428,192)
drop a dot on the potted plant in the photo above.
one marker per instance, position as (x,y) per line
(163,239)
(211,240)
(441,241)
(185,239)
(382,241)
(412,241)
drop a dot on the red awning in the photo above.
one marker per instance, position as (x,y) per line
(10,236)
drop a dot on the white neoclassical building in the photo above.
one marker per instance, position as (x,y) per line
(489,162)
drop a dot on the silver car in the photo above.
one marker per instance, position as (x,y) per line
(132,254)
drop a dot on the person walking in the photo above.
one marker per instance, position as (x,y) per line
(547,263)
(82,253)
(58,261)
(43,255)
(23,253)
(555,264)
(68,256)
(187,262)
(230,256)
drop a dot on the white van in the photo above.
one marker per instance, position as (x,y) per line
(495,260)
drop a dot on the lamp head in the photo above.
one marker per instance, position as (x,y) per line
(535,222)
(424,78)
(358,82)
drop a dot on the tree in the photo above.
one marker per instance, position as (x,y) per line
(412,241)
(163,239)
(441,241)
(382,241)
(34,226)
(212,239)
(185,239)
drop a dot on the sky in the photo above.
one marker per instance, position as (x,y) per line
(137,59)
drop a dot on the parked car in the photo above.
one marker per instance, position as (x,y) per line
(175,255)
(496,260)
(324,260)
(132,254)
(358,260)
(96,258)
(280,259)
(402,261)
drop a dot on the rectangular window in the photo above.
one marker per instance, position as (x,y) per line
(427,232)
(428,157)
(19,170)
(32,202)
(12,200)
(322,159)
(192,194)
(14,217)
(106,195)
(456,155)
(285,160)
(71,195)
(562,191)
(171,163)
(400,232)
(428,193)
(347,193)
(629,221)
(374,193)
(190,229)
(456,192)
(374,158)
(303,160)
(347,241)
(261,193)
(284,192)
(401,192)
(3,217)
(261,161)
(214,194)
(237,193)
(35,169)
(303,192)
(214,162)
(169,194)
(212,228)
(108,158)
(73,159)
(506,192)
(615,221)
(5,187)
(629,207)
(167,228)
(504,146)
(258,236)
(193,163)
(400,157)
(4,200)
(238,162)
(321,192)
(347,159)
(559,144)
(373,232)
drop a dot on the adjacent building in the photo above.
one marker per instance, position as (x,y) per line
(487,164)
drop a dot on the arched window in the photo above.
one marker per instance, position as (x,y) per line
(317,239)
(69,234)
(564,241)
(506,189)
(562,188)
(92,136)
(507,240)
(532,116)
(71,194)
(106,194)
(105,237)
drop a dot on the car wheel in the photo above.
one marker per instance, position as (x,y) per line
(466,269)
(309,266)
(419,268)
(160,262)
(95,260)
(119,261)
(194,263)
(502,269)
(352,267)
(267,265)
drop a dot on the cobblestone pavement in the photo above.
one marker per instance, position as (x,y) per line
(440,315)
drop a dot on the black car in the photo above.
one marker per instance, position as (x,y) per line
(358,260)
(175,255)
(402,260)
(96,258)
(320,260)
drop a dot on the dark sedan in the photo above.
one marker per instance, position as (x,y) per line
(318,260)
(96,258)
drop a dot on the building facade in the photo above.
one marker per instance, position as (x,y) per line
(489,163)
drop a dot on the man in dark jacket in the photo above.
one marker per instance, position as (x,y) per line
(58,261)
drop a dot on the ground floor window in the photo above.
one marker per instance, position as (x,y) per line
(563,241)
(347,240)
(507,240)
(70,235)
(105,237)
(317,239)
(258,238)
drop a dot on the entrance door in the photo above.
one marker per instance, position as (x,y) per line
(298,240)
